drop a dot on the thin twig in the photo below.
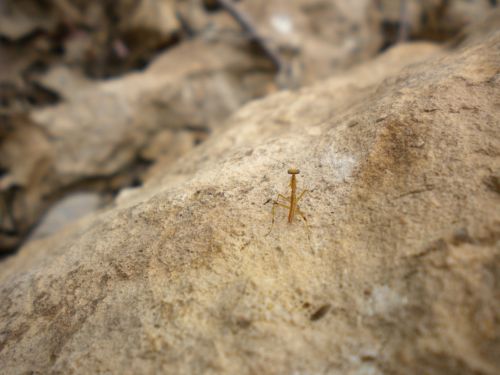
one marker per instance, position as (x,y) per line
(247,25)
(404,23)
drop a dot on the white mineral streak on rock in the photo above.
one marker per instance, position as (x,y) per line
(383,301)
(341,165)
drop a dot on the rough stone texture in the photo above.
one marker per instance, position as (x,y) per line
(399,272)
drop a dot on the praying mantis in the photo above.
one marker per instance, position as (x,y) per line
(290,203)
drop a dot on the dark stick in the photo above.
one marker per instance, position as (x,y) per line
(247,26)
(403,21)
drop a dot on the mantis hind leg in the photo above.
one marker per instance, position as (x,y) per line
(304,218)
(275,204)
(302,194)
(286,199)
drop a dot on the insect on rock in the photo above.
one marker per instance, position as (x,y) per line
(291,202)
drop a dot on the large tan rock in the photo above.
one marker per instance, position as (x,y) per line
(398,272)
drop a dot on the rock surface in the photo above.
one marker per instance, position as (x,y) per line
(397,271)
